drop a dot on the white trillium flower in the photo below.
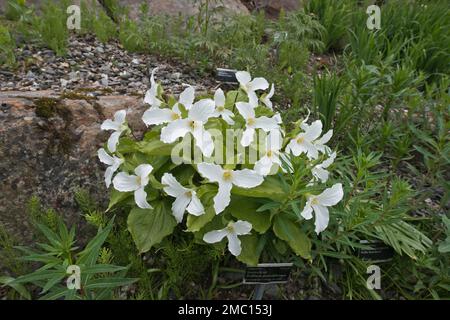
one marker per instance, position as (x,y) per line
(124,182)
(231,231)
(266,98)
(156,116)
(118,125)
(152,93)
(272,154)
(113,163)
(198,115)
(187,97)
(250,86)
(329,197)
(244,178)
(221,111)
(252,123)
(304,142)
(319,171)
(186,199)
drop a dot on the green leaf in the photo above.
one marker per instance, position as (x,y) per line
(155,148)
(116,197)
(90,253)
(245,209)
(16,286)
(250,253)
(109,282)
(195,223)
(271,188)
(149,226)
(289,231)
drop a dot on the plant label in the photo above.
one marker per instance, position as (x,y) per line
(226,75)
(268,273)
(378,251)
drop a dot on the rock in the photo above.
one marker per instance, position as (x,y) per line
(273,8)
(48,147)
(183,7)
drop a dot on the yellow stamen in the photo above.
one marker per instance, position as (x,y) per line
(175,116)
(300,140)
(220,108)
(251,121)
(227,175)
(314,201)
(269,153)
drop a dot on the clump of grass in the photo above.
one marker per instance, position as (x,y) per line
(7,46)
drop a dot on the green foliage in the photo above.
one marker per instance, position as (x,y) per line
(7,46)
(97,280)
(52,27)
(103,27)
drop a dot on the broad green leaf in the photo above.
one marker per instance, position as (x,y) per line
(90,253)
(245,209)
(155,148)
(195,223)
(271,188)
(289,231)
(250,253)
(116,196)
(150,226)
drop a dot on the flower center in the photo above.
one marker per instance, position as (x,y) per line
(300,140)
(250,121)
(138,180)
(227,175)
(192,124)
(269,153)
(175,116)
(220,108)
(314,201)
(188,194)
(230,228)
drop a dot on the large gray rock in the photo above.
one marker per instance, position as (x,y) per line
(183,7)
(48,148)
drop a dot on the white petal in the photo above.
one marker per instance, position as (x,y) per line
(203,141)
(313,131)
(263,166)
(295,148)
(140,197)
(241,227)
(274,140)
(195,207)
(172,187)
(227,116)
(247,137)
(258,84)
(212,172)
(246,110)
(219,98)
(325,138)
(311,150)
(247,178)
(252,99)
(174,130)
(105,157)
(214,236)
(179,207)
(307,211)
(320,173)
(202,110)
(143,170)
(322,217)
(119,116)
(108,124)
(243,77)
(331,196)
(151,99)
(266,124)
(108,176)
(113,141)
(223,197)
(234,244)
(124,182)
(329,161)
(187,97)
(154,116)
